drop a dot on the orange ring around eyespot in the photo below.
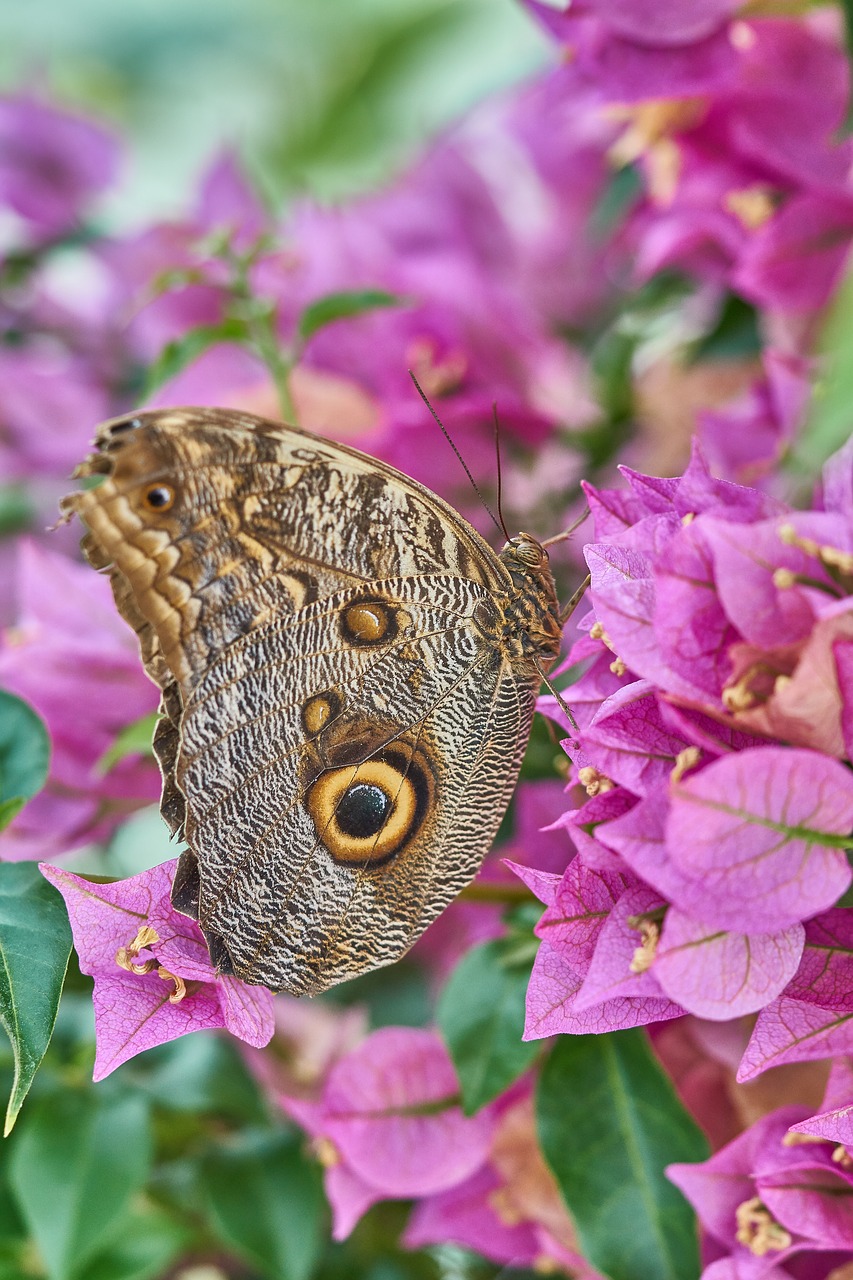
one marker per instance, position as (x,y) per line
(168,500)
(326,794)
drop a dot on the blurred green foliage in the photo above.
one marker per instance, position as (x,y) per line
(322,96)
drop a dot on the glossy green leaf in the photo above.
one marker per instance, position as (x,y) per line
(76,1164)
(149,1242)
(265,1200)
(481,1018)
(609,1122)
(24,755)
(180,353)
(338,306)
(134,740)
(35,942)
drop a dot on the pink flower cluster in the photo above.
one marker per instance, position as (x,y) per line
(383,1112)
(715,732)
(732,124)
(61,361)
(781,1192)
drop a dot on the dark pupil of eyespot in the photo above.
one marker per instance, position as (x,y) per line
(158,497)
(362,810)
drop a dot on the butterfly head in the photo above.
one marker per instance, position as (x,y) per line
(529,553)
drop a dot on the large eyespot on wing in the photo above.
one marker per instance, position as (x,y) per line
(339,796)
(364,814)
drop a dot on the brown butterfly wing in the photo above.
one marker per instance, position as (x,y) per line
(343,727)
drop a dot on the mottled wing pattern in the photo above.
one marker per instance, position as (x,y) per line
(342,725)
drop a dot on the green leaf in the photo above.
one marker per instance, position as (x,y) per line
(830,421)
(337,306)
(150,1241)
(624,189)
(134,740)
(35,942)
(181,352)
(481,1018)
(265,1200)
(735,335)
(16,509)
(24,755)
(198,1074)
(77,1162)
(609,1122)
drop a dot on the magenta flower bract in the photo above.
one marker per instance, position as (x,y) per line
(77,662)
(52,164)
(153,977)
(388,1123)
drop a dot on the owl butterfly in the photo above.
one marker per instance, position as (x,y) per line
(348,676)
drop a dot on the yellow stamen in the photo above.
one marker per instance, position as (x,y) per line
(326,1152)
(752,206)
(739,696)
(649,930)
(758,1230)
(801,1139)
(126,956)
(501,1202)
(685,760)
(594,783)
(784,578)
(180,986)
(832,557)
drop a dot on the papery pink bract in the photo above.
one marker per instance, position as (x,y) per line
(834,1121)
(813,1018)
(52,164)
(720,975)
(613,971)
(464,1215)
(392,1109)
(760,832)
(137,1010)
(583,915)
(77,663)
(630,741)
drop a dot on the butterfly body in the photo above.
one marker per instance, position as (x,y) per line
(348,674)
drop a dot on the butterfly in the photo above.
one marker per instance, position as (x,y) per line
(348,676)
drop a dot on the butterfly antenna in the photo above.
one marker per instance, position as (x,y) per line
(446,434)
(498,462)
